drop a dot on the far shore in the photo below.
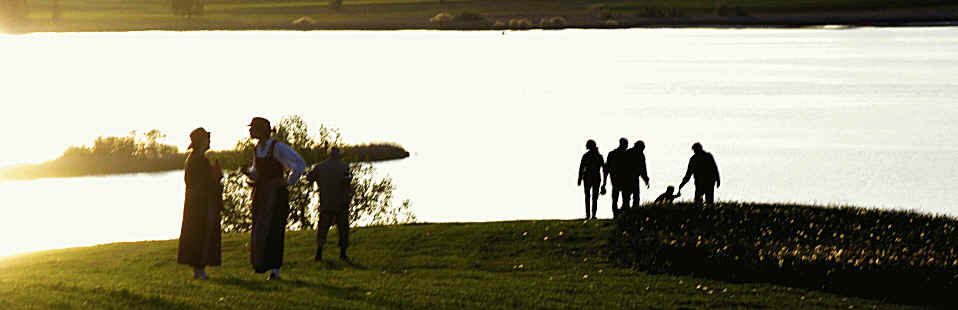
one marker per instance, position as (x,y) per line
(230,159)
(416,16)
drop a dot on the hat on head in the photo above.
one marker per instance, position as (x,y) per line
(197,134)
(259,120)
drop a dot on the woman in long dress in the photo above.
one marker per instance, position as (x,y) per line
(200,234)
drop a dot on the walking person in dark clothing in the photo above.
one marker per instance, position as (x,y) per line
(620,165)
(199,244)
(270,196)
(638,155)
(702,166)
(335,189)
(590,171)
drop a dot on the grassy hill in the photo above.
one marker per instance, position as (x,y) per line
(546,264)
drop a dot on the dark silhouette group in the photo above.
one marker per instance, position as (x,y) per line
(199,243)
(628,170)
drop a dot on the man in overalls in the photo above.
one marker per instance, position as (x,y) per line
(270,196)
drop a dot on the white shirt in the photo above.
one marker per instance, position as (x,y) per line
(285,155)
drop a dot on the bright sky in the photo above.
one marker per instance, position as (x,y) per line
(67,89)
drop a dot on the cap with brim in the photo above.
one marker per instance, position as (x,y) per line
(195,134)
(259,119)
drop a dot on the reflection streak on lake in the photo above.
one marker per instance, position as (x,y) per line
(497,123)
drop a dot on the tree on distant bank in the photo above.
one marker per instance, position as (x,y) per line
(371,200)
(335,4)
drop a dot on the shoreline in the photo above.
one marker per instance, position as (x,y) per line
(787,19)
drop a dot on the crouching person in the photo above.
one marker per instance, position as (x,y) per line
(335,188)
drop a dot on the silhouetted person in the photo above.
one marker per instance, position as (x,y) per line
(590,171)
(270,196)
(667,197)
(638,157)
(702,166)
(199,244)
(620,165)
(334,180)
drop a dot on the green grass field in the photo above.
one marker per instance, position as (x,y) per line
(546,264)
(116,15)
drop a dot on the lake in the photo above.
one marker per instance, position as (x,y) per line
(496,121)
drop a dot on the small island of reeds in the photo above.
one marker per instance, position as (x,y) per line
(144,153)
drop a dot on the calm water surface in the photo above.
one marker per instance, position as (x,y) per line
(497,122)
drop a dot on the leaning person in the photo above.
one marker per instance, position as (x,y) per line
(334,180)
(702,166)
(270,196)
(199,244)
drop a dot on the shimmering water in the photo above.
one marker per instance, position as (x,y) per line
(496,121)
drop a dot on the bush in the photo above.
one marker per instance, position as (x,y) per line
(901,256)
(371,202)
(442,17)
(552,22)
(520,23)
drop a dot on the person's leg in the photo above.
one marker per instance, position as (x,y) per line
(588,199)
(615,201)
(626,199)
(635,194)
(699,192)
(595,200)
(199,272)
(342,225)
(710,194)
(322,229)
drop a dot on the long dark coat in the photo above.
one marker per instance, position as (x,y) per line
(200,233)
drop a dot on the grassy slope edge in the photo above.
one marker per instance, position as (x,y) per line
(545,264)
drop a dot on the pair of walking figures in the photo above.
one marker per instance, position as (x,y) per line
(199,243)
(628,169)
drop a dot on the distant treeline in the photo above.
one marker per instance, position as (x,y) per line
(143,153)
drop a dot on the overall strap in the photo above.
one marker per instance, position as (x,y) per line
(271,149)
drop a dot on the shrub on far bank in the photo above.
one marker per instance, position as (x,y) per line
(552,22)
(894,255)
(441,17)
(466,18)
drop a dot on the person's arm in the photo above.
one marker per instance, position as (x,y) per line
(313,174)
(606,170)
(250,171)
(718,181)
(581,169)
(291,160)
(645,172)
(348,188)
(688,174)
